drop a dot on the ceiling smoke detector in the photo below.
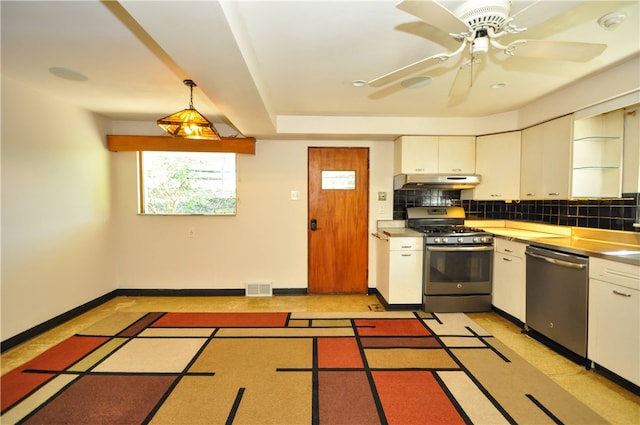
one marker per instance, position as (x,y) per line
(479,14)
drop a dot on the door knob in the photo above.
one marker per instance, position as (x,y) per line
(314,224)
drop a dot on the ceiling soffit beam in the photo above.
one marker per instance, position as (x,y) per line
(212,58)
(122,143)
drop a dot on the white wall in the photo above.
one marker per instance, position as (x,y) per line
(265,242)
(57,250)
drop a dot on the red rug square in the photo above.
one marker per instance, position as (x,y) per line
(339,353)
(414,398)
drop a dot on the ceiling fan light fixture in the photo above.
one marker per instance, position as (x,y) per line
(416,82)
(612,20)
(189,123)
(359,83)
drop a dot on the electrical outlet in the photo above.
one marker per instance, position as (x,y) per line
(382,196)
(191,232)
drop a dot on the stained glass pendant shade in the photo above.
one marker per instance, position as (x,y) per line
(189,123)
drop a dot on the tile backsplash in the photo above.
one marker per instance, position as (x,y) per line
(612,214)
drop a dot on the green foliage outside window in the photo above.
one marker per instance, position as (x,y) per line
(175,183)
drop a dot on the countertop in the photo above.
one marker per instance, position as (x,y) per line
(399,232)
(592,243)
(618,246)
(609,251)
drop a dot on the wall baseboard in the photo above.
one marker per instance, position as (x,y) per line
(56,321)
(25,336)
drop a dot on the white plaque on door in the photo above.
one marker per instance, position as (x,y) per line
(342,180)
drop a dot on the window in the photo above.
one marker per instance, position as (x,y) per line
(183,183)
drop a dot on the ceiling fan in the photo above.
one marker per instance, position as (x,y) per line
(478,26)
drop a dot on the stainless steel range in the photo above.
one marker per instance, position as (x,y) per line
(458,260)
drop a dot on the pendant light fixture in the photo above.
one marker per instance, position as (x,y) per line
(189,123)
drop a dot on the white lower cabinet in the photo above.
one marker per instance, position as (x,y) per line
(509,274)
(399,269)
(614,317)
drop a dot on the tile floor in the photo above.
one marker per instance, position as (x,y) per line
(608,399)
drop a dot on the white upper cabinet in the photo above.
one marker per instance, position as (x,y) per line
(434,155)
(456,155)
(545,171)
(597,156)
(498,164)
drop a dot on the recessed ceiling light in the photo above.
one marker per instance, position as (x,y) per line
(67,74)
(612,20)
(359,83)
(416,82)
(499,85)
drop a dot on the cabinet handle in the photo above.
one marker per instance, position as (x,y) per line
(496,194)
(508,250)
(407,246)
(507,259)
(621,293)
(409,255)
(531,194)
(554,194)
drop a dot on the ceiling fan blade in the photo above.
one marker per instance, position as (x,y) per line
(414,68)
(464,79)
(562,50)
(435,14)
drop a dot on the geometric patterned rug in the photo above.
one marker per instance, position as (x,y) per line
(285,368)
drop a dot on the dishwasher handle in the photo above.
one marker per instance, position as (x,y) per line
(557,262)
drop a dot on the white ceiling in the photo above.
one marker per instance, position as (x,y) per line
(256,61)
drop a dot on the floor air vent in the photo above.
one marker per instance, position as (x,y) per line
(258,290)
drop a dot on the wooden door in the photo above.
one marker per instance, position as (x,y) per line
(338,220)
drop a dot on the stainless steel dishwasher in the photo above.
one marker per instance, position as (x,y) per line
(557,290)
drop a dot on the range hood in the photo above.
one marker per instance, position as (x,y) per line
(435,181)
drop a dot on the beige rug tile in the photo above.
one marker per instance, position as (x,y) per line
(169,355)
(177,332)
(283,332)
(113,324)
(457,341)
(454,324)
(403,358)
(475,404)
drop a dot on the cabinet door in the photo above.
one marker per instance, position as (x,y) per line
(614,328)
(556,158)
(456,155)
(509,278)
(498,162)
(382,267)
(415,154)
(405,277)
(545,171)
(531,163)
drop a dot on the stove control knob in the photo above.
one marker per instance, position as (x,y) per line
(445,240)
(487,239)
(477,239)
(436,240)
(460,240)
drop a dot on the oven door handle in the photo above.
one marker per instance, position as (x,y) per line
(460,248)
